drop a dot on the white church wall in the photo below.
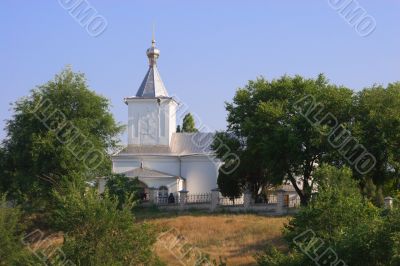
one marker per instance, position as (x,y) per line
(142,122)
(151,122)
(124,165)
(200,173)
(169,165)
(172,119)
(166,164)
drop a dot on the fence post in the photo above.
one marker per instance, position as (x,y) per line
(153,195)
(182,198)
(214,198)
(246,199)
(280,199)
(388,202)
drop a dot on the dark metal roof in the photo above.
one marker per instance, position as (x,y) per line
(152,84)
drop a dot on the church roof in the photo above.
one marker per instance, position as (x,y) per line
(181,144)
(152,84)
(191,143)
(146,149)
(144,172)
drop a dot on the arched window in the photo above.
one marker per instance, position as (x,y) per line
(163,192)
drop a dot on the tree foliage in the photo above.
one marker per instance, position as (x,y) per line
(123,188)
(98,232)
(273,257)
(188,124)
(282,129)
(230,185)
(358,233)
(338,205)
(274,141)
(12,251)
(62,127)
(377,127)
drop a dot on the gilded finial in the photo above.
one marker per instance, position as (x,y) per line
(153,53)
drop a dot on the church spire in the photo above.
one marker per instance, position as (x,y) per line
(152,85)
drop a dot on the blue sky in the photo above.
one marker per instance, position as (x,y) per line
(208,48)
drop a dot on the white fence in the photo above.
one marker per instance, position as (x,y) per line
(279,202)
(198,198)
(225,201)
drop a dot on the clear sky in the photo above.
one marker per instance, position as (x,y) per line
(208,48)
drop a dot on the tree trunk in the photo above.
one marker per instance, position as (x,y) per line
(304,199)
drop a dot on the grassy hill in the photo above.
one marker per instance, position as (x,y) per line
(233,237)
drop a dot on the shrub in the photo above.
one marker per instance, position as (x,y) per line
(339,205)
(339,216)
(123,187)
(97,232)
(273,257)
(12,251)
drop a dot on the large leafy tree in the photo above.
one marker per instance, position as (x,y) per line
(244,171)
(61,128)
(377,126)
(273,138)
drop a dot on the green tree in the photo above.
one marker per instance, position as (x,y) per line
(377,127)
(274,139)
(372,192)
(375,241)
(3,182)
(178,128)
(338,206)
(188,124)
(341,219)
(62,127)
(123,188)
(97,232)
(12,251)
(230,185)
(235,175)
(273,257)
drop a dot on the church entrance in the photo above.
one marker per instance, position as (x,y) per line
(163,194)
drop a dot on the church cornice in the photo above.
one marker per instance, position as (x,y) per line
(149,99)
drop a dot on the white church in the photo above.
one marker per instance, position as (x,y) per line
(160,157)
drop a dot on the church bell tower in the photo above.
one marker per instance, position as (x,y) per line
(151,112)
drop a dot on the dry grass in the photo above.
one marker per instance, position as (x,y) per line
(48,242)
(235,237)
